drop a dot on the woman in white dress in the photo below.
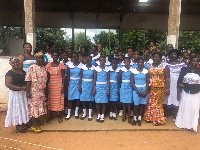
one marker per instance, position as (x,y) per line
(189,82)
(17,113)
(175,68)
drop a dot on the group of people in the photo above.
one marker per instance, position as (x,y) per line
(143,86)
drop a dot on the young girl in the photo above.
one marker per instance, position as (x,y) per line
(147,59)
(101,86)
(133,63)
(94,55)
(120,59)
(103,54)
(140,83)
(73,76)
(126,90)
(86,86)
(114,95)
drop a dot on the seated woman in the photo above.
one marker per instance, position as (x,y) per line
(36,78)
(17,113)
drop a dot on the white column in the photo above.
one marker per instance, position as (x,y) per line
(29,9)
(174,22)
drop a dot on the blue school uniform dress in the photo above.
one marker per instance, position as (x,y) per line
(87,84)
(146,64)
(121,64)
(114,96)
(126,90)
(73,89)
(133,65)
(94,60)
(140,83)
(101,85)
(107,64)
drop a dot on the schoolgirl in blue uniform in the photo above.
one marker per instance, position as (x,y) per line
(136,55)
(86,86)
(101,87)
(73,76)
(140,84)
(126,90)
(114,88)
(94,55)
(120,59)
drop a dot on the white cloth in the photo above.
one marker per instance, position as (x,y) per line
(188,112)
(17,112)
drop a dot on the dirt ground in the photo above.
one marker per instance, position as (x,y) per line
(97,140)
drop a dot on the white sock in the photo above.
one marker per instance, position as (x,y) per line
(76,111)
(102,117)
(98,116)
(135,118)
(90,113)
(139,117)
(111,114)
(69,113)
(114,115)
(84,112)
(66,110)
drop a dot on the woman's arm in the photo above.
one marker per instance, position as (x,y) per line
(94,82)
(28,90)
(8,83)
(108,80)
(119,80)
(167,76)
(80,80)
(68,78)
(133,85)
(21,58)
(63,79)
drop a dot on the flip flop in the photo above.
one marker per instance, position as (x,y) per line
(36,129)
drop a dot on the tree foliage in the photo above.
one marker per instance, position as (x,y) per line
(79,40)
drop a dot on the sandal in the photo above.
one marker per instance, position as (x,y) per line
(60,120)
(20,129)
(36,129)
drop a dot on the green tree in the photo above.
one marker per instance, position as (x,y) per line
(103,38)
(56,35)
(79,40)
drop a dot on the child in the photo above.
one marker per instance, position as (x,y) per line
(103,54)
(147,59)
(140,83)
(120,59)
(114,95)
(94,55)
(101,86)
(126,90)
(86,86)
(73,76)
(133,63)
(185,57)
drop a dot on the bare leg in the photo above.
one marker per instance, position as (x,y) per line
(104,108)
(124,112)
(129,113)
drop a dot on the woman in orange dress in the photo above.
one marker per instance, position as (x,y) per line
(56,86)
(159,87)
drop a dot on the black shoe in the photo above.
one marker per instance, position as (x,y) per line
(134,123)
(67,118)
(101,120)
(110,117)
(89,119)
(115,118)
(77,117)
(98,120)
(82,118)
(139,122)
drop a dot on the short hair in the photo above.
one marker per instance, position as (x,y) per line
(26,43)
(158,53)
(75,53)
(54,51)
(115,59)
(129,48)
(174,51)
(140,58)
(126,58)
(66,52)
(102,57)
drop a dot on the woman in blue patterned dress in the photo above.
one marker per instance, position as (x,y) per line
(73,76)
(101,87)
(140,84)
(126,90)
(114,94)
(86,87)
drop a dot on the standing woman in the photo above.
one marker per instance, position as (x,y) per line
(56,86)
(126,90)
(189,83)
(36,78)
(159,86)
(101,87)
(73,77)
(26,59)
(175,68)
(17,113)
(86,87)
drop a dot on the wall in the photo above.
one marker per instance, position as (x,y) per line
(4,91)
(15,46)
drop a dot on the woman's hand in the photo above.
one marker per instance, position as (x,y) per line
(62,90)
(93,91)
(139,93)
(108,92)
(28,94)
(178,97)
(167,92)
(23,88)
(144,94)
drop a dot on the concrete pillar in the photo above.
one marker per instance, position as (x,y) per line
(174,22)
(29,10)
